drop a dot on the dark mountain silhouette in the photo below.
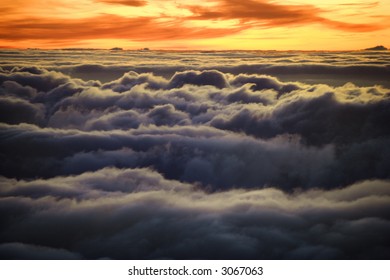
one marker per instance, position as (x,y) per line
(377,48)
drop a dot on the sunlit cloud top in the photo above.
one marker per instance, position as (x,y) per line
(203,24)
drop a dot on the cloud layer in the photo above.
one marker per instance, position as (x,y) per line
(137,214)
(199,163)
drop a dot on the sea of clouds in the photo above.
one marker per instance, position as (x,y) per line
(194,155)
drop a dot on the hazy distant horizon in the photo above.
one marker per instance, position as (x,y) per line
(194,50)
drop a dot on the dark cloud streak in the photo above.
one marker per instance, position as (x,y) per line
(106,27)
(264,13)
(132,3)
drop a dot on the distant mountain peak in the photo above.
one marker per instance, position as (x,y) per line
(377,48)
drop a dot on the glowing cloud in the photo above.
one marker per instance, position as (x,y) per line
(133,3)
(217,23)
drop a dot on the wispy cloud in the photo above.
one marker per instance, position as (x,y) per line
(132,3)
(205,20)
(107,26)
(269,14)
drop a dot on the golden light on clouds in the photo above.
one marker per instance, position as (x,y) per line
(213,24)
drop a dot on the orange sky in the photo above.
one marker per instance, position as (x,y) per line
(199,24)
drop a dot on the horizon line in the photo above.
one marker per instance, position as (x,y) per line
(119,49)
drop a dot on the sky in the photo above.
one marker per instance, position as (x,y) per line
(201,24)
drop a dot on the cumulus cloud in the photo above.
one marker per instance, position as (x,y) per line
(15,110)
(204,162)
(136,213)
